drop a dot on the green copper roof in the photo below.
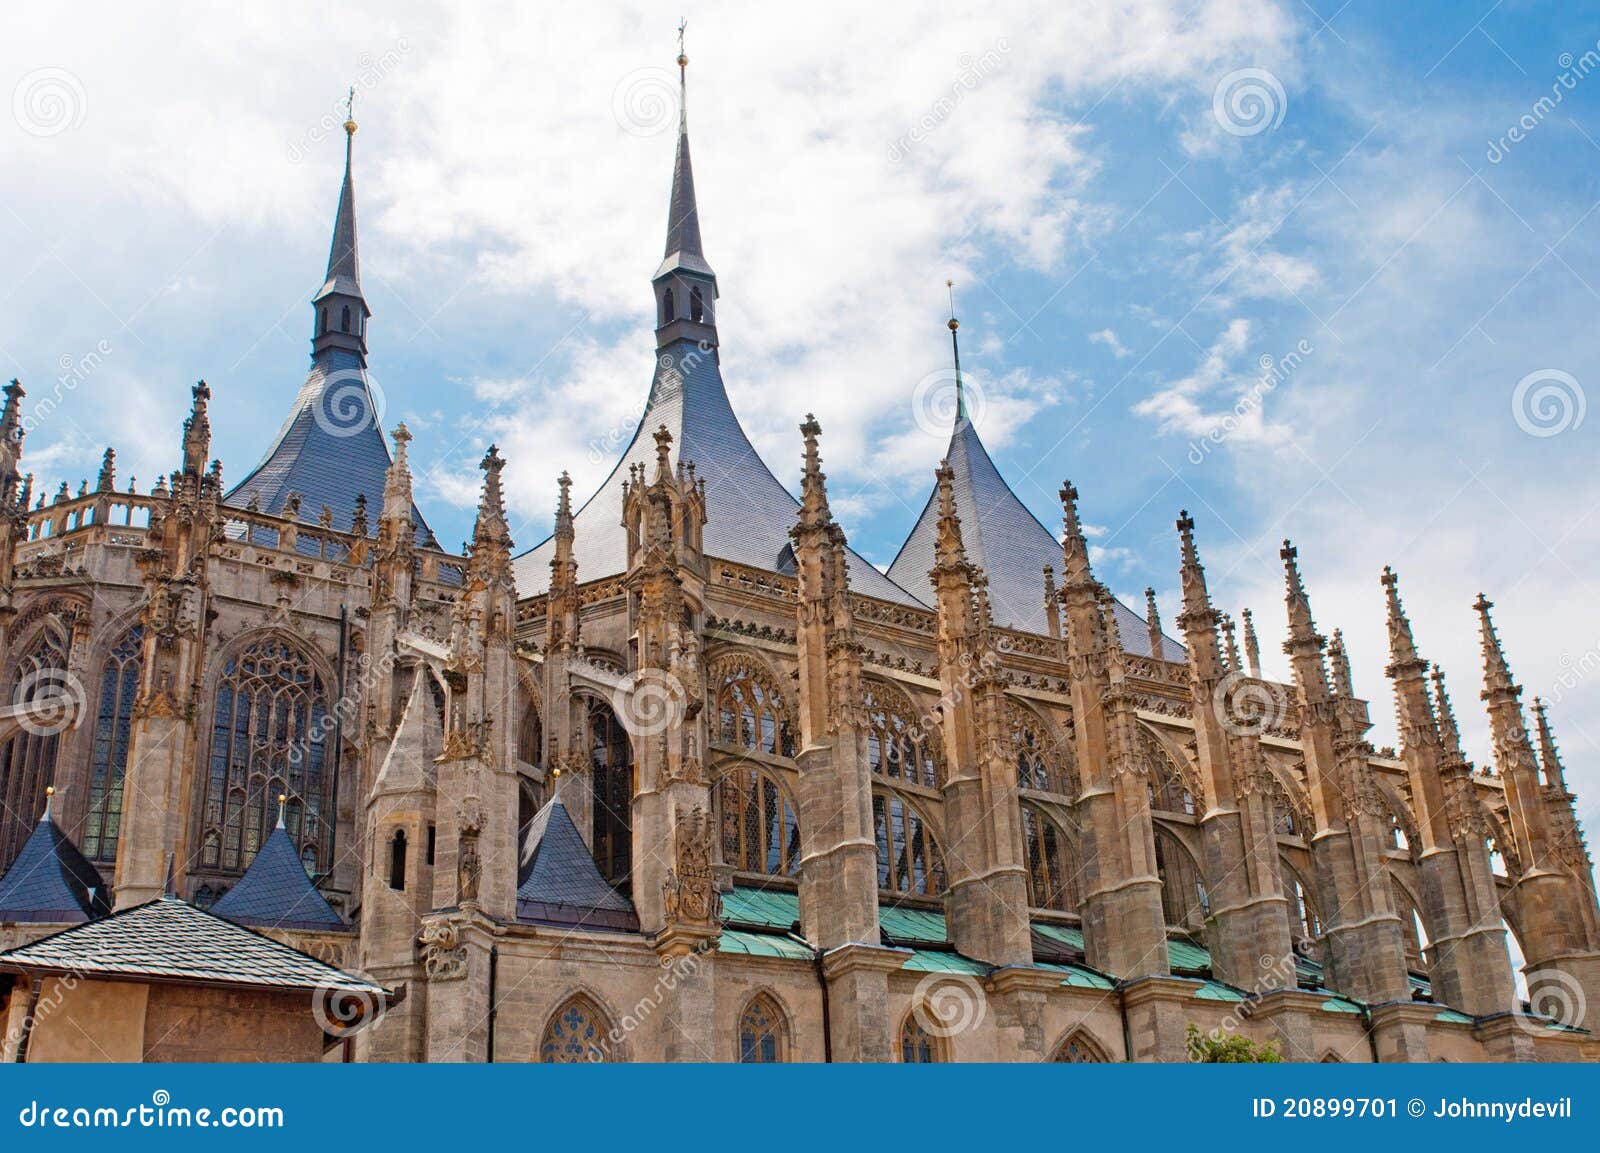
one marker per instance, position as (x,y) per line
(912,926)
(1338,1004)
(1187,956)
(1077,976)
(1060,934)
(1217,991)
(761,908)
(1453,1017)
(762,945)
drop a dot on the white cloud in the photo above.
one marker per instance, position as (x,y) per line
(1109,338)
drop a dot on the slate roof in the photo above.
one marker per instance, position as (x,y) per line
(276,893)
(560,883)
(51,882)
(168,939)
(748,512)
(1007,540)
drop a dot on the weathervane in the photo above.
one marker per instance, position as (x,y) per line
(950,286)
(350,112)
(683,59)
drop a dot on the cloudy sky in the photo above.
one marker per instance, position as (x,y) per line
(1307,270)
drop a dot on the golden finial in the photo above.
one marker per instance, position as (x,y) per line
(683,59)
(950,286)
(350,112)
(283,799)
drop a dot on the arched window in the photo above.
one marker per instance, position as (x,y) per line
(344,319)
(1080,1049)
(759,832)
(611,762)
(669,308)
(28,759)
(898,747)
(577,1032)
(397,861)
(113,724)
(1184,902)
(697,304)
(530,735)
(763,1037)
(1052,880)
(1039,764)
(1330,1058)
(751,712)
(267,737)
(1169,793)
(1304,925)
(909,860)
(324,326)
(917,1045)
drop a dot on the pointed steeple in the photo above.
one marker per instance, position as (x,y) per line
(341,310)
(1339,662)
(1198,618)
(685,286)
(955,353)
(50,881)
(813,481)
(491,536)
(1252,646)
(1496,673)
(1152,620)
(1449,731)
(951,554)
(1555,775)
(1075,568)
(1052,603)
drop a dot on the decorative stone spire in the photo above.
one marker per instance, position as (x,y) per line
(11,430)
(1230,645)
(1303,636)
(1198,620)
(950,555)
(813,481)
(359,525)
(1075,568)
(685,286)
(1496,673)
(197,432)
(341,309)
(1339,660)
(562,620)
(1555,775)
(1449,731)
(108,472)
(1152,620)
(1052,602)
(1252,646)
(491,536)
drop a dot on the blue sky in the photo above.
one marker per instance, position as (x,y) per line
(1123,262)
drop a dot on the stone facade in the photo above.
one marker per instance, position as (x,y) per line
(1102,844)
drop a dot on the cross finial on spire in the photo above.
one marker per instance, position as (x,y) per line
(683,57)
(955,350)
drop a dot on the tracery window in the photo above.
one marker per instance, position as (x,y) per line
(1052,880)
(752,713)
(1079,1049)
(530,735)
(909,860)
(577,1032)
(759,831)
(1169,793)
(1305,924)
(898,747)
(1041,761)
(763,1037)
(611,764)
(1184,901)
(113,725)
(28,759)
(917,1045)
(268,726)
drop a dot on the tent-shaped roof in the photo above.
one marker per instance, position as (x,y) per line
(169,939)
(1007,540)
(276,893)
(561,884)
(51,882)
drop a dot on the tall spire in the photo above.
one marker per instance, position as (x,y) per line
(1549,759)
(951,554)
(955,352)
(1252,646)
(1152,621)
(1449,731)
(197,431)
(685,286)
(1230,644)
(1496,673)
(341,310)
(1339,661)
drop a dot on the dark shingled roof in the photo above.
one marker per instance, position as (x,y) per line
(276,893)
(51,882)
(748,512)
(1007,540)
(560,883)
(169,939)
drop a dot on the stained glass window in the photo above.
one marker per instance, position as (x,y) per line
(611,762)
(1042,762)
(1079,1049)
(751,713)
(761,1032)
(28,758)
(113,725)
(898,746)
(1184,901)
(267,737)
(576,1033)
(759,832)
(917,1045)
(1052,882)
(909,860)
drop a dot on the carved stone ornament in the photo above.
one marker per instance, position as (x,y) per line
(444,958)
(689,892)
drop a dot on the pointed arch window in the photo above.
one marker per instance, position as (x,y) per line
(759,830)
(268,724)
(669,308)
(344,319)
(1184,901)
(697,304)
(751,712)
(763,1036)
(611,765)
(28,758)
(917,1045)
(577,1032)
(530,735)
(1042,763)
(1306,926)
(397,861)
(1052,877)
(1169,792)
(898,746)
(1080,1049)
(113,727)
(909,860)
